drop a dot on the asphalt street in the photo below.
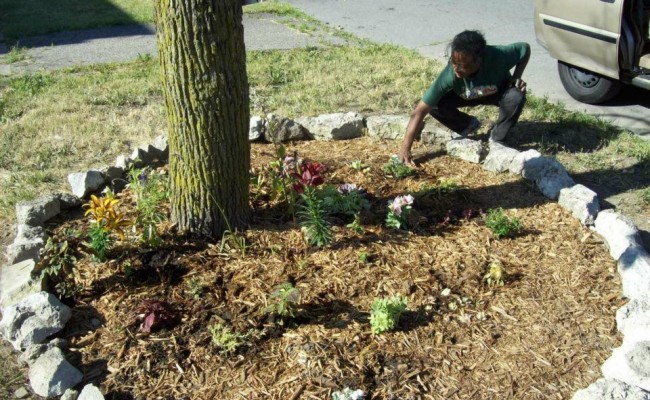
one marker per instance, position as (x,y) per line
(428,26)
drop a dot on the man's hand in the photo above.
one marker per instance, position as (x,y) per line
(519,84)
(406,157)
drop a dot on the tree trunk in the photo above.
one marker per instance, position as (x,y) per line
(203,63)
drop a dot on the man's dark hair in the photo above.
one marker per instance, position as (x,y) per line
(469,42)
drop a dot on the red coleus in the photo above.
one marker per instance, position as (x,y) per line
(153,314)
(308,174)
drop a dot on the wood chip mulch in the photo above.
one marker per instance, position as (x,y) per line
(542,335)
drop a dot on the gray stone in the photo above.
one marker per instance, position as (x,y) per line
(618,231)
(67,200)
(433,134)
(553,178)
(466,149)
(630,363)
(521,159)
(282,129)
(91,392)
(112,173)
(582,202)
(16,282)
(70,394)
(33,352)
(633,321)
(36,212)
(51,374)
(634,269)
(22,250)
(499,158)
(21,393)
(146,154)
(28,233)
(33,319)
(387,126)
(338,126)
(123,162)
(256,128)
(611,389)
(85,183)
(161,146)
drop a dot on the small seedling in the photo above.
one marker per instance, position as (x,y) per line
(386,313)
(397,169)
(358,165)
(224,339)
(154,314)
(495,274)
(500,224)
(355,225)
(195,287)
(284,301)
(364,257)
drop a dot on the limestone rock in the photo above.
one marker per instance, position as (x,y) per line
(33,319)
(91,392)
(36,212)
(521,159)
(282,129)
(582,202)
(85,183)
(387,126)
(466,149)
(33,352)
(256,129)
(24,249)
(611,389)
(499,158)
(634,269)
(553,179)
(433,134)
(51,374)
(16,282)
(67,200)
(161,146)
(633,321)
(618,231)
(630,364)
(70,394)
(338,126)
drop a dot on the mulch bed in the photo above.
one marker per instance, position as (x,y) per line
(542,335)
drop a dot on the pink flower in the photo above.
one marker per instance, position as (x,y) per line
(400,201)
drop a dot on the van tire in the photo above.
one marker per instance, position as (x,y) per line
(586,86)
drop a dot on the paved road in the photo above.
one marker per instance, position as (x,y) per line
(428,26)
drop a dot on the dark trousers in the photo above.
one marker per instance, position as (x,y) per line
(510,102)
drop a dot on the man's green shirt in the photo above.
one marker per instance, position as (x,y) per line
(494,75)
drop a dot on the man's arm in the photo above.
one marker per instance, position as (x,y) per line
(519,70)
(417,116)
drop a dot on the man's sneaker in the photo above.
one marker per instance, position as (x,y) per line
(472,127)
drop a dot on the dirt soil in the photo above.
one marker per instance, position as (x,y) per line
(542,335)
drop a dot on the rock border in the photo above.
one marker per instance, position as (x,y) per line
(626,373)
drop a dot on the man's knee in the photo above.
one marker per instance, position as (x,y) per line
(514,97)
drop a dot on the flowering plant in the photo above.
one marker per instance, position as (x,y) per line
(398,211)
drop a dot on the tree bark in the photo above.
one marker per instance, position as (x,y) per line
(203,64)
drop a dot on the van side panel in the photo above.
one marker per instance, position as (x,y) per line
(584,33)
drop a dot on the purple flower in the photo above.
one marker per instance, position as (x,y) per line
(400,201)
(347,188)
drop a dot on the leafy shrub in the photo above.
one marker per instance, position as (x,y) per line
(386,313)
(225,339)
(397,169)
(284,300)
(347,199)
(398,212)
(151,191)
(57,265)
(500,224)
(100,241)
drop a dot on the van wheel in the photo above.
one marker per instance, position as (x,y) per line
(586,86)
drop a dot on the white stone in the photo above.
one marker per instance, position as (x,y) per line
(84,183)
(433,134)
(618,231)
(466,149)
(112,173)
(21,393)
(582,202)
(611,389)
(36,212)
(33,352)
(553,178)
(70,394)
(123,162)
(67,200)
(634,269)
(23,249)
(33,319)
(256,128)
(521,159)
(499,158)
(91,392)
(633,321)
(16,283)
(26,232)
(387,126)
(630,364)
(161,144)
(51,374)
(339,126)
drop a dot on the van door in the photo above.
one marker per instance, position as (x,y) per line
(584,33)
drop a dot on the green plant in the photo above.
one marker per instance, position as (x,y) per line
(151,191)
(398,212)
(284,300)
(16,54)
(645,195)
(355,225)
(100,241)
(57,265)
(358,165)
(495,274)
(397,169)
(346,199)
(500,224)
(224,339)
(312,218)
(196,288)
(386,313)
(364,257)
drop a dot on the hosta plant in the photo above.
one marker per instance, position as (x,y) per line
(398,211)
(386,313)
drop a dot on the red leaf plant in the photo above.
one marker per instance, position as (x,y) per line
(308,174)
(154,314)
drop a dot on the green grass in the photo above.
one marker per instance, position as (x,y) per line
(15,54)
(22,18)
